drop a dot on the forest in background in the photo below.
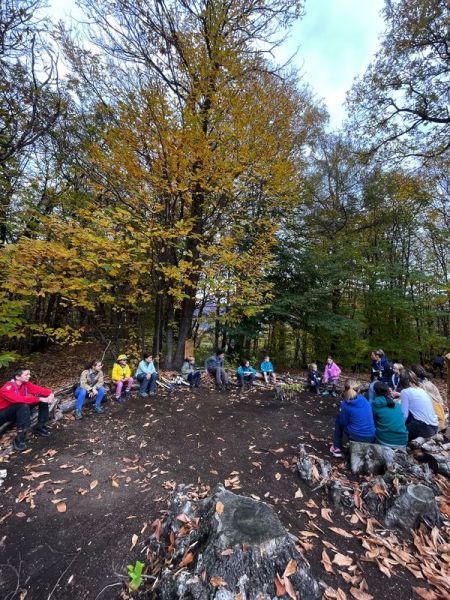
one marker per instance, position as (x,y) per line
(163,179)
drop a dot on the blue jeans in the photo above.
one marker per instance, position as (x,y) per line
(194,378)
(339,431)
(250,378)
(80,395)
(147,385)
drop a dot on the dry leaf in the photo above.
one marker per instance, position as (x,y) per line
(93,484)
(21,515)
(183,518)
(340,531)
(424,593)
(298,493)
(311,504)
(8,514)
(342,560)
(186,560)
(360,595)
(327,562)
(219,507)
(217,581)
(278,476)
(291,568)
(61,507)
(326,514)
(134,539)
(289,588)
(280,590)
(227,552)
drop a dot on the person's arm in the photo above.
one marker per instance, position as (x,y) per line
(344,415)
(84,381)
(100,381)
(9,394)
(325,375)
(404,403)
(116,373)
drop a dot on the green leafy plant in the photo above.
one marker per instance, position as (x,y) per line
(135,575)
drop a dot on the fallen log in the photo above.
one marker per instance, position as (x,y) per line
(415,503)
(370,459)
(231,546)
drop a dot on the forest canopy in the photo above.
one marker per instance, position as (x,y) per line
(163,179)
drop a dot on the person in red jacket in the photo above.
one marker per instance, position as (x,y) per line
(17,399)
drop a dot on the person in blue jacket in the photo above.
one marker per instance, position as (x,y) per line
(245,374)
(147,375)
(314,378)
(355,419)
(268,371)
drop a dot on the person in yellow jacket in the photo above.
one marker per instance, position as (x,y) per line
(121,375)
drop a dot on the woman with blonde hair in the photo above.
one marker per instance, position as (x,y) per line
(355,419)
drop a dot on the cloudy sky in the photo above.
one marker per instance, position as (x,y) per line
(336,40)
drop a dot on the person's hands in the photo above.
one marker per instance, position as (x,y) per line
(148,376)
(93,392)
(47,399)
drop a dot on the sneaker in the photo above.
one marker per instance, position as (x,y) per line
(127,394)
(19,444)
(78,415)
(335,451)
(98,409)
(120,400)
(334,394)
(326,393)
(42,430)
(144,395)
(152,393)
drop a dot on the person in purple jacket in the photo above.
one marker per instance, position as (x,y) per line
(355,419)
(331,376)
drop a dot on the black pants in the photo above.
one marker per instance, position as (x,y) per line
(194,378)
(20,413)
(419,428)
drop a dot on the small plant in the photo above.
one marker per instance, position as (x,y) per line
(135,575)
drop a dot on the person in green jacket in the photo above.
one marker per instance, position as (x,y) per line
(388,416)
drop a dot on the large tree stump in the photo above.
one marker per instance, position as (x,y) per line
(370,459)
(416,502)
(435,452)
(237,546)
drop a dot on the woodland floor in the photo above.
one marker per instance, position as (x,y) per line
(111,476)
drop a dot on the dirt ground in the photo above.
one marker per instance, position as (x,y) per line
(71,506)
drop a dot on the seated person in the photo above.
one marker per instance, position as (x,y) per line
(147,375)
(214,365)
(381,367)
(417,407)
(435,395)
(355,419)
(121,375)
(331,377)
(91,384)
(245,374)
(268,371)
(395,377)
(314,378)
(190,373)
(389,422)
(17,399)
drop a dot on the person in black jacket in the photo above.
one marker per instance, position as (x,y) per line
(314,378)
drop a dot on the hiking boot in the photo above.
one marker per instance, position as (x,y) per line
(127,394)
(42,430)
(19,442)
(98,409)
(335,451)
(78,415)
(120,400)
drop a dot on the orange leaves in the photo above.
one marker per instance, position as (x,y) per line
(217,581)
(186,560)
(61,507)
(219,508)
(283,585)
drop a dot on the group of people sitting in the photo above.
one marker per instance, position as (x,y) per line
(399,406)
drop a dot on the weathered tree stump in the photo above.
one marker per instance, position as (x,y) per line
(435,452)
(312,469)
(417,501)
(238,546)
(370,459)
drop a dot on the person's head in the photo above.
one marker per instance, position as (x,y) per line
(329,360)
(351,390)
(245,363)
(122,359)
(408,379)
(22,375)
(147,357)
(95,365)
(220,353)
(267,358)
(380,353)
(419,371)
(312,367)
(397,367)
(374,355)
(191,359)
(382,389)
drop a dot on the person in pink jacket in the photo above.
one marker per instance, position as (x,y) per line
(331,376)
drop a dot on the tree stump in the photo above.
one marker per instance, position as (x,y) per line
(238,546)
(370,459)
(417,501)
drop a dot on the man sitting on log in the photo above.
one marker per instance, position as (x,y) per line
(17,399)
(214,365)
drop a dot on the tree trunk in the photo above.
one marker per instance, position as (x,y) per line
(238,542)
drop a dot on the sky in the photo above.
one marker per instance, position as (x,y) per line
(336,40)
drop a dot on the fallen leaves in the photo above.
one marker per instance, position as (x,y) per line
(61,507)
(341,532)
(342,560)
(93,484)
(325,513)
(217,581)
(219,507)
(6,516)
(298,493)
(134,539)
(186,560)
(359,594)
